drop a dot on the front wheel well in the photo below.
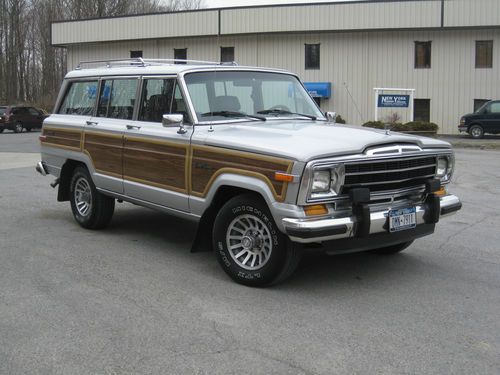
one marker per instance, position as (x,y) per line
(65,179)
(203,239)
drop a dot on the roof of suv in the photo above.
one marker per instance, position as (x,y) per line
(136,69)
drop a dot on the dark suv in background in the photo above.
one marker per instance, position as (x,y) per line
(17,118)
(485,120)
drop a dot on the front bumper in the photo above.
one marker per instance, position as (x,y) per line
(309,230)
(462,128)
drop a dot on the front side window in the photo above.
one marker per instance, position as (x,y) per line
(484,54)
(33,111)
(312,56)
(479,103)
(423,55)
(161,96)
(217,96)
(79,99)
(117,98)
(494,107)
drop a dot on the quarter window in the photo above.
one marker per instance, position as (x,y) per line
(312,56)
(117,98)
(80,99)
(423,55)
(484,54)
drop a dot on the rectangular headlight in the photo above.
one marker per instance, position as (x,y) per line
(327,182)
(321,181)
(444,168)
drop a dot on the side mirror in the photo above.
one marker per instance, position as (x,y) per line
(174,119)
(331,117)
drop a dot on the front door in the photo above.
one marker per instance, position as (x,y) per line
(154,156)
(492,118)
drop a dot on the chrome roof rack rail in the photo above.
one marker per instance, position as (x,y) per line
(139,61)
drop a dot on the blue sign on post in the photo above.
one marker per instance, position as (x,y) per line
(319,89)
(393,101)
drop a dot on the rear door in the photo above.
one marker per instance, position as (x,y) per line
(154,156)
(103,141)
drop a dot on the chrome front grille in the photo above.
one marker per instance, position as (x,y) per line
(389,174)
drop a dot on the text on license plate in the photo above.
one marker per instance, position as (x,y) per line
(401,219)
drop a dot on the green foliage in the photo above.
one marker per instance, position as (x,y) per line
(412,126)
(339,120)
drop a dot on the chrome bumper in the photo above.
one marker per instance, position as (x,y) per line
(40,168)
(307,230)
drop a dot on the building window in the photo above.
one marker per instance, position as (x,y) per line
(180,54)
(484,54)
(423,55)
(422,110)
(478,103)
(226,54)
(312,56)
(135,54)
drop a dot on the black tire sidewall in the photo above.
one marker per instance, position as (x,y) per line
(476,126)
(241,205)
(84,221)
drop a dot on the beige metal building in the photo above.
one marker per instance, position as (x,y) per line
(447,50)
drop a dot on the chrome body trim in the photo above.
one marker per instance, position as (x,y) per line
(378,220)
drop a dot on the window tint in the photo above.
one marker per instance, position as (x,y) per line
(180,54)
(117,98)
(312,56)
(156,99)
(33,112)
(422,110)
(478,103)
(80,99)
(226,54)
(484,54)
(495,107)
(423,55)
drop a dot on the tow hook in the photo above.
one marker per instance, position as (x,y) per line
(55,183)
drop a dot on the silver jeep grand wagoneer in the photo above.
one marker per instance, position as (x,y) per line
(248,154)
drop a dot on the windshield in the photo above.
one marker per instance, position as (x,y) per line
(481,109)
(249,95)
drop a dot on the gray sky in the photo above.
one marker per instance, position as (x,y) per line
(230,3)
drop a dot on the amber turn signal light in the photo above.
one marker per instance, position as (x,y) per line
(285,177)
(317,209)
(441,192)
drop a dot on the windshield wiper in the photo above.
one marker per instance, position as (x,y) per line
(232,114)
(284,112)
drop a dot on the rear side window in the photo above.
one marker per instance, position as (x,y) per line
(117,98)
(80,99)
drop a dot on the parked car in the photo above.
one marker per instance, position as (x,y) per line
(248,154)
(17,118)
(485,120)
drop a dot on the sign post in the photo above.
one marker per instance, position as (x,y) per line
(393,101)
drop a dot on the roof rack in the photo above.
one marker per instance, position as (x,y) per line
(139,61)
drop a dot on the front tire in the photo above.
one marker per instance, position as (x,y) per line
(18,128)
(476,131)
(91,209)
(389,250)
(249,246)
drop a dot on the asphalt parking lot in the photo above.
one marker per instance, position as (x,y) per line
(133,299)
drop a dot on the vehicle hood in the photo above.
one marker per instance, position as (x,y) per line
(304,140)
(469,115)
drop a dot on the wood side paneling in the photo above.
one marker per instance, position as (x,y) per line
(105,151)
(156,163)
(62,138)
(209,162)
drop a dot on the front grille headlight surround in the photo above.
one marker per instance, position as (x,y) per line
(444,167)
(326,182)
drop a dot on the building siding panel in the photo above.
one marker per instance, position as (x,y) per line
(467,13)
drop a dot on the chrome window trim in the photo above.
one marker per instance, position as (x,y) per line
(305,183)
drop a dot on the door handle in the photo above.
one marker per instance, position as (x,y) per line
(91,123)
(130,127)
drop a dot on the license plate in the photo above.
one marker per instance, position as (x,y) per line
(402,219)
